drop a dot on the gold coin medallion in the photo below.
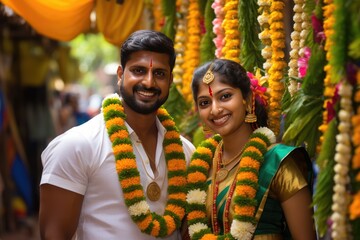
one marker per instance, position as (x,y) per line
(221,174)
(153,191)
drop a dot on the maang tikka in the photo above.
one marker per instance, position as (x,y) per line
(209,77)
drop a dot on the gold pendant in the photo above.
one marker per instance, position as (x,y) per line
(221,174)
(153,191)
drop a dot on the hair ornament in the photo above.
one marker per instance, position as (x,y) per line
(258,90)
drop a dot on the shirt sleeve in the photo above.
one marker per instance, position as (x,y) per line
(290,178)
(65,162)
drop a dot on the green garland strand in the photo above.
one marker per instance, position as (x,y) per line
(207,46)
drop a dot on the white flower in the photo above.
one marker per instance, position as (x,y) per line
(139,208)
(196,196)
(268,133)
(197,227)
(242,230)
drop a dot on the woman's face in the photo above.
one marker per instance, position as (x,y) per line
(223,111)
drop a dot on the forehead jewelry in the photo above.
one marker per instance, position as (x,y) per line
(209,77)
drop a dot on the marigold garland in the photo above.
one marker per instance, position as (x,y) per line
(277,63)
(192,50)
(231,49)
(129,176)
(342,158)
(246,181)
(354,208)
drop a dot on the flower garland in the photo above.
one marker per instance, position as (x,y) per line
(180,38)
(342,158)
(277,63)
(192,51)
(217,5)
(129,177)
(295,47)
(354,208)
(244,222)
(264,36)
(306,26)
(329,87)
(231,49)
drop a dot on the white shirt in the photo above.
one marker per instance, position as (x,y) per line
(82,160)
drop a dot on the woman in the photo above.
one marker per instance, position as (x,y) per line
(241,184)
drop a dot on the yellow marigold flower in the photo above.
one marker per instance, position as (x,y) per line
(354,208)
(125,183)
(145,223)
(156,228)
(123,148)
(177,196)
(244,210)
(114,121)
(200,163)
(196,177)
(356,161)
(170,223)
(176,209)
(174,147)
(276,16)
(115,107)
(125,164)
(259,140)
(133,194)
(172,134)
(247,175)
(249,162)
(196,214)
(204,150)
(253,149)
(119,134)
(176,165)
(245,191)
(209,236)
(167,123)
(177,181)
(277,6)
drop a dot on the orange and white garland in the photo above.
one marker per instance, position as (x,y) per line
(231,49)
(179,45)
(341,196)
(192,51)
(264,36)
(276,74)
(354,209)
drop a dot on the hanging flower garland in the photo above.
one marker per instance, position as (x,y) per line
(277,63)
(192,50)
(295,47)
(179,45)
(129,176)
(264,36)
(329,87)
(157,14)
(218,5)
(354,208)
(231,49)
(306,25)
(244,187)
(342,158)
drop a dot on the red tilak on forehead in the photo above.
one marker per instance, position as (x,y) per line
(210,91)
(151,63)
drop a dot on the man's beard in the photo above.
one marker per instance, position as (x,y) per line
(141,108)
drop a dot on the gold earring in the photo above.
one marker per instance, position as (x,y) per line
(250,117)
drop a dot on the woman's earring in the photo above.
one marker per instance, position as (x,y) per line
(250,117)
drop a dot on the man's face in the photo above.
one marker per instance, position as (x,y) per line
(145,81)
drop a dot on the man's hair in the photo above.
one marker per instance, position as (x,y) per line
(148,40)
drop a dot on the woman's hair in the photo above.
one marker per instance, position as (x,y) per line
(234,75)
(147,40)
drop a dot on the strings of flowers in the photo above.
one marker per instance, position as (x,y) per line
(354,209)
(179,45)
(218,5)
(244,221)
(329,87)
(305,28)
(277,63)
(158,16)
(264,36)
(192,50)
(342,158)
(129,176)
(295,46)
(231,49)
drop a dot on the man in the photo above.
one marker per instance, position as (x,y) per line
(115,177)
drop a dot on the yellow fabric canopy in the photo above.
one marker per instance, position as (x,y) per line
(64,20)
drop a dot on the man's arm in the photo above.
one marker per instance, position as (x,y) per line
(59,212)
